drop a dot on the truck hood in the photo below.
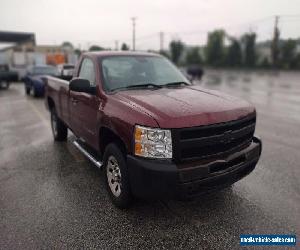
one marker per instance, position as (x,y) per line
(186,106)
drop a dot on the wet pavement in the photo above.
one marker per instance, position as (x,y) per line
(52,197)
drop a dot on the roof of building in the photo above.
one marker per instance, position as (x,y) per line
(16,37)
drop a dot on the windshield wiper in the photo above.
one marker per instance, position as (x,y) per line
(176,84)
(147,85)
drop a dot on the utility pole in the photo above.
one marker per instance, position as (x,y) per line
(274,47)
(116,45)
(161,41)
(133,33)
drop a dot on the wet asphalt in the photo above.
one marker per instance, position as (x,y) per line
(52,197)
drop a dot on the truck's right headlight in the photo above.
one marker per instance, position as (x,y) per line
(152,142)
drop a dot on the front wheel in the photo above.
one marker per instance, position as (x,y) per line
(116,176)
(59,129)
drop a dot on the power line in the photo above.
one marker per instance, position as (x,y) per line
(296,15)
(256,22)
(147,36)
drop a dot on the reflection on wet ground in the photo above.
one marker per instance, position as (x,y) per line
(264,88)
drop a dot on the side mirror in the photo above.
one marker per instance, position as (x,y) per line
(82,85)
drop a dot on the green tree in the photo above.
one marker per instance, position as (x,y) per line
(67,44)
(193,56)
(124,46)
(95,48)
(176,49)
(265,64)
(249,40)
(288,54)
(214,50)
(234,54)
(296,62)
(77,52)
(275,48)
(164,53)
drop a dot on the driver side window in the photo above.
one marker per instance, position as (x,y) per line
(87,71)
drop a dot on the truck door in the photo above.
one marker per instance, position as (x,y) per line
(84,106)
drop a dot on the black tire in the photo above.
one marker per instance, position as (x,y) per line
(5,85)
(124,199)
(59,129)
(34,92)
(27,90)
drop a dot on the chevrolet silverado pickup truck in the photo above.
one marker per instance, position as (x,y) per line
(155,134)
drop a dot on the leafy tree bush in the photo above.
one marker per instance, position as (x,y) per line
(176,49)
(265,63)
(124,46)
(164,53)
(215,48)
(95,48)
(234,54)
(249,40)
(288,54)
(193,56)
(67,44)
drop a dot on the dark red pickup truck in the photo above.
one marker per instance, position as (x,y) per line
(155,134)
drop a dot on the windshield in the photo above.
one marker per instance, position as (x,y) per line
(44,71)
(68,66)
(121,72)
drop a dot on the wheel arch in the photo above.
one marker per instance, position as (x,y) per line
(107,136)
(50,103)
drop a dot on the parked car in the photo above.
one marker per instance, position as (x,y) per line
(195,72)
(34,80)
(7,76)
(153,133)
(66,71)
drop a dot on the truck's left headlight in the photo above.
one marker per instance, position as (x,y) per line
(152,142)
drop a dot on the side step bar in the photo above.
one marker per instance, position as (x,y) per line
(98,164)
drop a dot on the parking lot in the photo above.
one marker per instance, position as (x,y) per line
(52,197)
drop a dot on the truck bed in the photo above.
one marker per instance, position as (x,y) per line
(58,90)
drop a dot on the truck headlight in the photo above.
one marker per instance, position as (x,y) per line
(152,142)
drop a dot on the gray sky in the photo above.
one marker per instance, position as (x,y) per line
(101,22)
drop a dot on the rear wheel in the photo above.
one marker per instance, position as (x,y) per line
(34,92)
(116,176)
(27,90)
(59,129)
(4,84)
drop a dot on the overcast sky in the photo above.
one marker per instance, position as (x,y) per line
(87,22)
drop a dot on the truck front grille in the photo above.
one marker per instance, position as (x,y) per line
(212,140)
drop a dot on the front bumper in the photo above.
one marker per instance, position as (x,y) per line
(164,179)
(40,89)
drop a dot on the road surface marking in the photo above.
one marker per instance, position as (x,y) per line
(39,114)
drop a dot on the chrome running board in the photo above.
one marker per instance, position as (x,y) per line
(87,154)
